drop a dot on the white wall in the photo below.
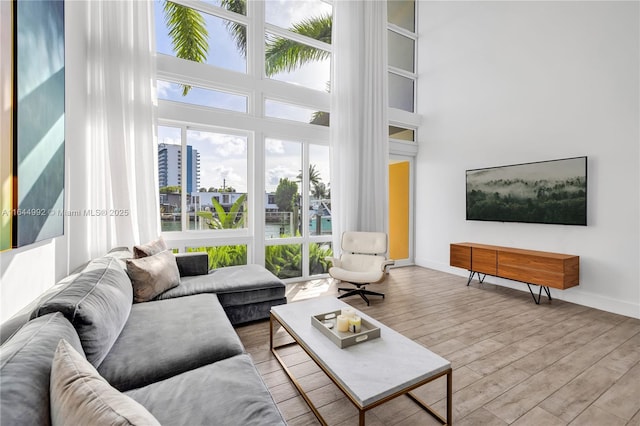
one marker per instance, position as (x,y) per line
(28,271)
(513,82)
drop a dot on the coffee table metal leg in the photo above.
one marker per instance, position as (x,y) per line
(270,333)
(450,397)
(433,412)
(291,376)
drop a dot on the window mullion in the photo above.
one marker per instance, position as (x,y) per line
(183,178)
(403,73)
(214,10)
(402,31)
(281,32)
(255,65)
(304,205)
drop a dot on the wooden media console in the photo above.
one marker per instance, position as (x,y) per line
(539,268)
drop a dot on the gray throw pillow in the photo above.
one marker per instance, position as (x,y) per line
(149,249)
(97,301)
(78,393)
(25,369)
(153,275)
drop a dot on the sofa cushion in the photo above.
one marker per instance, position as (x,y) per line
(152,275)
(25,368)
(234,285)
(97,302)
(167,337)
(78,393)
(149,249)
(228,392)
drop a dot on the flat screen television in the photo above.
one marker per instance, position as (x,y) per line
(552,192)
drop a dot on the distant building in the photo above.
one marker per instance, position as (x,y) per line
(170,166)
(203,200)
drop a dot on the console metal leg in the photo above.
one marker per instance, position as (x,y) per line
(546,290)
(480,279)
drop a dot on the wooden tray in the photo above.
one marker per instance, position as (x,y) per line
(344,339)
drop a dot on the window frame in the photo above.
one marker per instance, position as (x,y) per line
(253,124)
(399,71)
(256,87)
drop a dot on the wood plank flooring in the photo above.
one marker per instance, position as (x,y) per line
(514,362)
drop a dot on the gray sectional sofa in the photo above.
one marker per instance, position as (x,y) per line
(177,358)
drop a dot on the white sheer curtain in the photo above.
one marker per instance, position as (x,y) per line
(121,156)
(359,127)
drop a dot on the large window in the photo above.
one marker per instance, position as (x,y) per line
(243,126)
(243,134)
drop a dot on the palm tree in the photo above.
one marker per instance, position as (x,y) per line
(283,54)
(189,35)
(314,176)
(188,32)
(319,191)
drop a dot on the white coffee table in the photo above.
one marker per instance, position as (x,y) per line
(369,373)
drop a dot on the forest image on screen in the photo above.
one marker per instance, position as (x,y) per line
(552,192)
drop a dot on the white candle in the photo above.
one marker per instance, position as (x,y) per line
(343,323)
(348,312)
(355,324)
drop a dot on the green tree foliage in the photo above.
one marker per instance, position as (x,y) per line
(318,188)
(222,256)
(321,118)
(285,195)
(319,191)
(174,189)
(223,189)
(317,255)
(237,31)
(285,261)
(234,218)
(283,54)
(314,175)
(187,29)
(188,32)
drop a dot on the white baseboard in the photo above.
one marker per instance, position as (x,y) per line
(573,295)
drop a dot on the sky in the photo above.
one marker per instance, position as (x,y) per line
(223,156)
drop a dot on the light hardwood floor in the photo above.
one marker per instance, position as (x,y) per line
(514,362)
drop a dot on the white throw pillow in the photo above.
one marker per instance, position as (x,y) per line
(79,395)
